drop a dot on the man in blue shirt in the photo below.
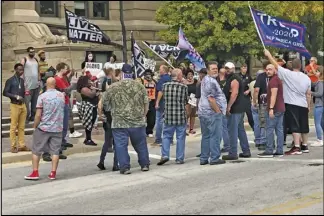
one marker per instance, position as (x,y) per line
(164,78)
(212,106)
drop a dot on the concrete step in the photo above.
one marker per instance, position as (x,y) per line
(30,130)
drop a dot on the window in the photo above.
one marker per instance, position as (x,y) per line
(100,9)
(80,8)
(102,56)
(47,8)
(91,9)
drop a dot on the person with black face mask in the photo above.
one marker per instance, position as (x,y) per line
(32,82)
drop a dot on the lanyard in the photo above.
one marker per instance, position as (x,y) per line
(18,81)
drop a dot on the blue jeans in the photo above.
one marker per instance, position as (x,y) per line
(275,124)
(211,132)
(236,131)
(168,132)
(138,140)
(226,142)
(259,133)
(65,123)
(319,121)
(158,125)
(109,141)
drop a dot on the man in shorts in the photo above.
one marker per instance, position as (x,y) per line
(297,98)
(48,127)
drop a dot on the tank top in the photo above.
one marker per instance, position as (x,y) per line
(238,106)
(192,88)
(31,74)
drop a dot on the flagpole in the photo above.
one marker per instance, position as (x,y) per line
(158,55)
(256,25)
(133,54)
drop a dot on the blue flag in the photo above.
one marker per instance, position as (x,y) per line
(193,56)
(281,33)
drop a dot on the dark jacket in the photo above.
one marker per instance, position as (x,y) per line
(11,89)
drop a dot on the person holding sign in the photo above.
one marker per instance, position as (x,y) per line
(192,101)
(111,63)
(88,58)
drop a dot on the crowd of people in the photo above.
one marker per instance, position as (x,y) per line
(278,100)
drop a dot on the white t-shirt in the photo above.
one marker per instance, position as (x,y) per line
(110,65)
(295,86)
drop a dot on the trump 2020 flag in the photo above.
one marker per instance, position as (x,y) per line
(138,56)
(281,33)
(193,56)
(80,29)
(166,51)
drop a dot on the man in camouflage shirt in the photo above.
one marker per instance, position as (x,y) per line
(129,102)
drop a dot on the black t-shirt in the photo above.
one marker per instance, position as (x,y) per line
(192,88)
(262,83)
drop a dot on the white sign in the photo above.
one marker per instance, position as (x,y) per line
(93,67)
(193,100)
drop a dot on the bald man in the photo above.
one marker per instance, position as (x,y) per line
(48,128)
(175,95)
(159,103)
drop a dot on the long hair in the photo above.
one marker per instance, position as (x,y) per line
(82,82)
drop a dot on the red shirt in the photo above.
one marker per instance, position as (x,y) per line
(61,84)
(308,69)
(275,82)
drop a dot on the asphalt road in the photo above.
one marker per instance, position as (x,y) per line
(286,185)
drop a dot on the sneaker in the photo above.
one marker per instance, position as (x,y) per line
(14,150)
(33,176)
(192,131)
(179,162)
(294,151)
(150,135)
(101,166)
(218,162)
(278,154)
(156,144)
(229,157)
(163,161)
(62,157)
(304,148)
(265,155)
(47,158)
(90,143)
(23,149)
(68,145)
(203,162)
(115,168)
(125,171)
(318,143)
(76,134)
(145,168)
(242,155)
(52,175)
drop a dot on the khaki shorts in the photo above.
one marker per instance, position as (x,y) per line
(46,142)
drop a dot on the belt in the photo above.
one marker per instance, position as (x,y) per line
(17,103)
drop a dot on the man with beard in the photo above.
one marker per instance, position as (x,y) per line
(234,93)
(32,82)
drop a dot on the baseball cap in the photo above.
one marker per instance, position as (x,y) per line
(229,65)
(127,68)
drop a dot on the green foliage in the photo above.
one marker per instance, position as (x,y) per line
(221,30)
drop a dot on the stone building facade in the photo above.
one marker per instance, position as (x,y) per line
(41,24)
